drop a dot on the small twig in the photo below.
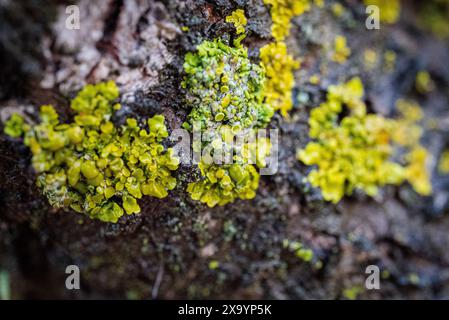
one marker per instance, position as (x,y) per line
(157,282)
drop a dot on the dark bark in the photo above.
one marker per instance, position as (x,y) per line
(165,251)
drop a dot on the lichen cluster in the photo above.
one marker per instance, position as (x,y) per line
(92,166)
(424,83)
(282,11)
(341,50)
(274,57)
(238,19)
(389,10)
(225,91)
(356,151)
(279,66)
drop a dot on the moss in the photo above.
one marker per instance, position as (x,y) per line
(225,91)
(390,10)
(281,13)
(279,66)
(94,167)
(355,151)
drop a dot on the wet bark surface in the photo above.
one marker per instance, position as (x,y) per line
(165,252)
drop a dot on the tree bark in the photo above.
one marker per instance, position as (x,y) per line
(166,250)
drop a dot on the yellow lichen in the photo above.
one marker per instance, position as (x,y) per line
(443,165)
(279,66)
(390,10)
(390,60)
(92,166)
(355,152)
(407,133)
(281,13)
(341,50)
(338,9)
(416,172)
(424,83)
(238,18)
(370,59)
(315,79)
(319,3)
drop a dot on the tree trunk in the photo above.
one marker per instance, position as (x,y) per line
(177,247)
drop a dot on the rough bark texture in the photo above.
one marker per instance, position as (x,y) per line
(165,251)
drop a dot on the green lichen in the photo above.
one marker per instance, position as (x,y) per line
(224,87)
(353,292)
(356,151)
(92,166)
(15,126)
(300,251)
(424,82)
(213,265)
(225,91)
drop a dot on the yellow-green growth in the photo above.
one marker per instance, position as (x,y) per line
(370,59)
(424,82)
(443,165)
(434,16)
(301,252)
(92,166)
(355,152)
(238,19)
(319,3)
(225,91)
(279,67)
(390,60)
(281,13)
(352,293)
(15,126)
(341,50)
(390,10)
(278,63)
(337,9)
